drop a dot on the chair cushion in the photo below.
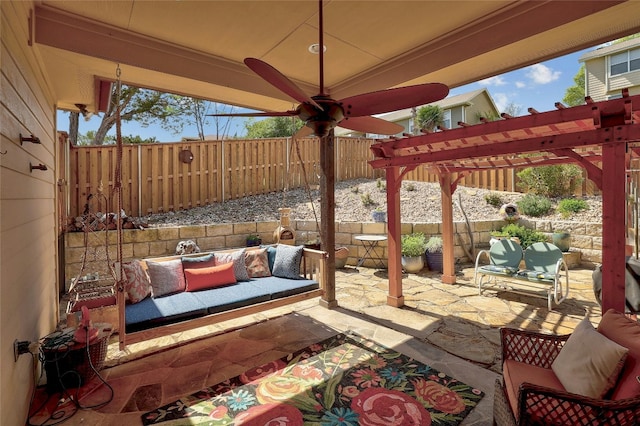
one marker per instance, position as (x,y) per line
(516,373)
(589,363)
(615,326)
(498,270)
(537,275)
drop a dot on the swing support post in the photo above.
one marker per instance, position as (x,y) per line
(328,216)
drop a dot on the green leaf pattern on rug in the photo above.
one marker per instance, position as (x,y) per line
(342,381)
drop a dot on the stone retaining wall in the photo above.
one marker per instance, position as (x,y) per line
(151,242)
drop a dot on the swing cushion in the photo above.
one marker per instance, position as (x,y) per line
(287,261)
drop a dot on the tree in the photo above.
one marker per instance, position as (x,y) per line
(574,95)
(429,117)
(195,111)
(272,127)
(512,109)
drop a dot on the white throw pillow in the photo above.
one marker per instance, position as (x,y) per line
(589,364)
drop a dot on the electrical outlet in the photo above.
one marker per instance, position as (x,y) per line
(19,348)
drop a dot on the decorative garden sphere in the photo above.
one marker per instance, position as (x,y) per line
(509,212)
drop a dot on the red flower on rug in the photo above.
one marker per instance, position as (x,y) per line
(384,407)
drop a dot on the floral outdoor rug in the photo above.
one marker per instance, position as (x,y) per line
(344,380)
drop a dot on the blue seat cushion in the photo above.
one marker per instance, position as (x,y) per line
(234,296)
(280,287)
(163,310)
(498,270)
(537,276)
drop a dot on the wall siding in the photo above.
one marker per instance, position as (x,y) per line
(28,253)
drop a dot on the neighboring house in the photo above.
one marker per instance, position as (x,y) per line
(466,107)
(612,68)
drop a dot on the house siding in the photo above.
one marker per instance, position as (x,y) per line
(595,79)
(28,256)
(626,80)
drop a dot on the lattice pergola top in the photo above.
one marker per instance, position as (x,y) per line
(575,134)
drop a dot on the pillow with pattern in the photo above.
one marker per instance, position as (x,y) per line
(136,282)
(237,257)
(195,262)
(287,262)
(166,277)
(257,263)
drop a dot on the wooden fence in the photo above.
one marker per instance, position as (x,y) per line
(155,179)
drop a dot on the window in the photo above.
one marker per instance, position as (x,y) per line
(446,122)
(625,61)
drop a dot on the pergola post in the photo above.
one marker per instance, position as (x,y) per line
(328,217)
(448,259)
(613,225)
(394,235)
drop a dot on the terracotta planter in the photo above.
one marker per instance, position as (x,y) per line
(342,254)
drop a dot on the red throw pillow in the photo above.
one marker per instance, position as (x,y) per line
(213,276)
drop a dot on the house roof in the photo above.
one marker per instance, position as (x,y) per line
(610,49)
(196,48)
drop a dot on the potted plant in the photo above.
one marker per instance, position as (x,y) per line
(253,240)
(412,248)
(433,253)
(379,214)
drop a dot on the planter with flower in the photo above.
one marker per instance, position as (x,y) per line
(412,249)
(433,253)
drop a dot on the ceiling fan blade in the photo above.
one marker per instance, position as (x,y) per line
(393,99)
(256,114)
(303,132)
(371,125)
(279,80)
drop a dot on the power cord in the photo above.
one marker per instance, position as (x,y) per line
(59,414)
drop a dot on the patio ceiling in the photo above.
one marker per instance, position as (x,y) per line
(196,47)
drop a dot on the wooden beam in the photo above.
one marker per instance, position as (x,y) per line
(394,235)
(448,259)
(328,216)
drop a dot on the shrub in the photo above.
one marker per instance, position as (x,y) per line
(434,245)
(534,205)
(367,200)
(551,181)
(571,205)
(410,186)
(413,245)
(381,185)
(493,199)
(355,189)
(525,235)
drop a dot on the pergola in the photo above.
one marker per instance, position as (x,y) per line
(601,137)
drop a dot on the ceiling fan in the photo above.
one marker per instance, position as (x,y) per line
(321,113)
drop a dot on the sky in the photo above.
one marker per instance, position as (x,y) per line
(538,86)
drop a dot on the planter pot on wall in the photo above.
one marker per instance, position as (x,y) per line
(412,264)
(562,240)
(379,216)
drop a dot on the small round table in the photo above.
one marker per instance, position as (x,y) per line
(370,244)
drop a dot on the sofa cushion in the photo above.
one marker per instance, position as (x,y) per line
(287,261)
(195,262)
(235,296)
(136,282)
(271,255)
(237,258)
(163,310)
(281,287)
(589,363)
(516,373)
(166,277)
(257,263)
(617,327)
(213,276)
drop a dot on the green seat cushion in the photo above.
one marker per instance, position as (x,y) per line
(537,275)
(497,270)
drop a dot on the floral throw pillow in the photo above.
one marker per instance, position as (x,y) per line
(257,263)
(237,257)
(136,282)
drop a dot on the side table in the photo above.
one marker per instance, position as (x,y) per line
(370,244)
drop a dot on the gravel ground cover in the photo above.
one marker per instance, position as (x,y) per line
(355,200)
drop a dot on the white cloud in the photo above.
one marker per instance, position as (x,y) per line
(521,84)
(498,80)
(501,100)
(541,74)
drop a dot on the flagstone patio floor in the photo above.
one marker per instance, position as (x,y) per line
(447,326)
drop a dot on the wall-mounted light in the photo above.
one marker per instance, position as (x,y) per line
(85,113)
